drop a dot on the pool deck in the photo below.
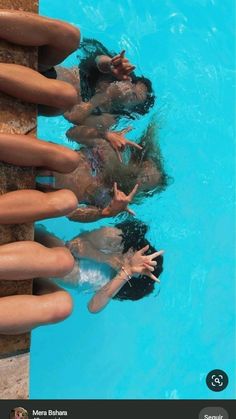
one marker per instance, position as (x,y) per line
(16,117)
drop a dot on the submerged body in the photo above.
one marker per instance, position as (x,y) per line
(120,253)
(94,180)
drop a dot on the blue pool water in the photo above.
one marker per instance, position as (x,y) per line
(163,346)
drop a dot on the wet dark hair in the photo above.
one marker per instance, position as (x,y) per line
(89,76)
(133,237)
(126,175)
(143,108)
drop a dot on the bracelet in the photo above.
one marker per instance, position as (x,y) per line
(128,275)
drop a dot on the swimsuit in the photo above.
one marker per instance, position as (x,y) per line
(50,73)
(87,274)
(101,197)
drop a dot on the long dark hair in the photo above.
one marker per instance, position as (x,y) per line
(133,237)
(89,76)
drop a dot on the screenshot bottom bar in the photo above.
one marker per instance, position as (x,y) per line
(159,409)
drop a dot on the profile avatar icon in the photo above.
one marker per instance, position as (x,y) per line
(19,413)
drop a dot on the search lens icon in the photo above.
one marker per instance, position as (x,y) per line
(217,380)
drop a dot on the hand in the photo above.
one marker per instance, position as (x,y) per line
(119,142)
(139,263)
(120,202)
(121,67)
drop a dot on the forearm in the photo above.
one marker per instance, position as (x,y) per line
(87,215)
(106,293)
(80,112)
(83,135)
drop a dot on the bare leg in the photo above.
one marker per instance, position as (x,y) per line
(27,206)
(24,150)
(42,236)
(27,260)
(30,86)
(22,313)
(55,39)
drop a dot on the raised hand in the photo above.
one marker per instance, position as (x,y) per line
(120,202)
(139,263)
(119,142)
(121,67)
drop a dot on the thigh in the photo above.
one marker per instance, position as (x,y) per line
(22,313)
(30,205)
(25,150)
(30,86)
(26,260)
(56,39)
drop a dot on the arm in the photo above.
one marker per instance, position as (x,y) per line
(106,293)
(94,126)
(137,263)
(83,135)
(87,214)
(81,111)
(89,136)
(119,203)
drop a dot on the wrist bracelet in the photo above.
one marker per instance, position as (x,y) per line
(128,275)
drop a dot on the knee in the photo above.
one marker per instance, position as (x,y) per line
(62,307)
(70,96)
(73,38)
(65,96)
(63,261)
(70,161)
(62,202)
(64,36)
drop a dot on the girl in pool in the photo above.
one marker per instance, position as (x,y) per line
(135,264)
(49,303)
(104,184)
(124,247)
(23,206)
(108,89)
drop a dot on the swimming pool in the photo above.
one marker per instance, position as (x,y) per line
(163,346)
